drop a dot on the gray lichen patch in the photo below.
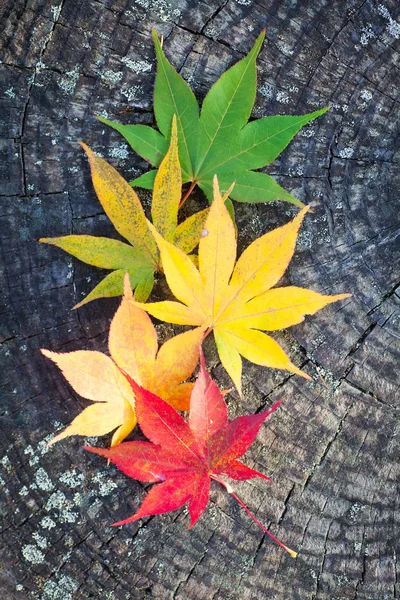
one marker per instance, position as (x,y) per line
(10,92)
(267,90)
(94,509)
(62,588)
(6,464)
(106,485)
(43,480)
(367,34)
(283,97)
(308,131)
(121,151)
(90,441)
(165,11)
(111,78)
(130,92)
(23,491)
(68,81)
(346,152)
(56,11)
(40,540)
(331,383)
(304,240)
(47,523)
(59,503)
(366,95)
(392,26)
(72,478)
(137,66)
(355,509)
(32,554)
(41,449)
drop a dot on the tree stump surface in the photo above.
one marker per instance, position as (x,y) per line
(332,449)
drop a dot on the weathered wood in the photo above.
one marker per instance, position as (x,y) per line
(333,449)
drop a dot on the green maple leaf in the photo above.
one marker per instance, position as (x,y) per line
(140,258)
(218,139)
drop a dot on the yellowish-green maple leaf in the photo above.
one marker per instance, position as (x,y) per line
(140,257)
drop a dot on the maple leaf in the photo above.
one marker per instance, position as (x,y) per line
(219,139)
(236,300)
(186,456)
(140,258)
(134,349)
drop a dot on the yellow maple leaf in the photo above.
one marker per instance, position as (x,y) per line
(134,349)
(235,299)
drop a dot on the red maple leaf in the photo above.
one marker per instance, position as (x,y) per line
(186,456)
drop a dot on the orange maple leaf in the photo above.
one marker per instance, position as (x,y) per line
(133,347)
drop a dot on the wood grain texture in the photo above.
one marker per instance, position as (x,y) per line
(333,447)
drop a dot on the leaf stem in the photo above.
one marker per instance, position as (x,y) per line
(242,504)
(207,332)
(186,196)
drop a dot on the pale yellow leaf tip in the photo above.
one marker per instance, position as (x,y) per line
(298,219)
(341,297)
(127,287)
(57,438)
(86,148)
(216,192)
(90,154)
(47,353)
(303,212)
(305,375)
(293,369)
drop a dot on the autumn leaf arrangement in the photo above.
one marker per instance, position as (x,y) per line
(234,299)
